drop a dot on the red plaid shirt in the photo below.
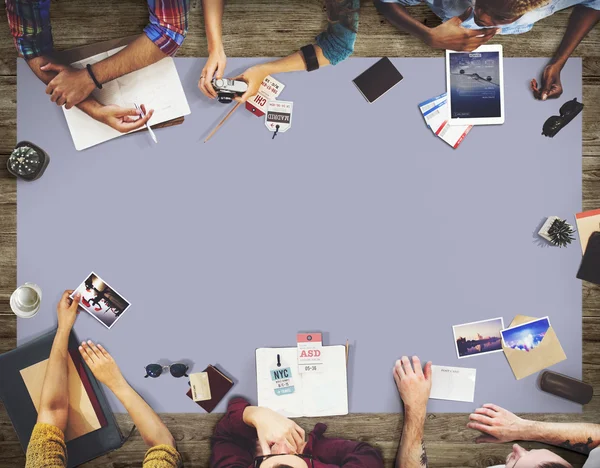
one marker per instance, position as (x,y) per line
(29,22)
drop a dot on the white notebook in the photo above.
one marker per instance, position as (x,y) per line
(315,394)
(157,86)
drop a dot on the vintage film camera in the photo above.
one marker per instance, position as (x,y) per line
(228,89)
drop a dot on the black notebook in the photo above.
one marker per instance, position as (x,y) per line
(15,396)
(590,263)
(378,79)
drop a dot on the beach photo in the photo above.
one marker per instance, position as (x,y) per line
(101,301)
(476,338)
(526,336)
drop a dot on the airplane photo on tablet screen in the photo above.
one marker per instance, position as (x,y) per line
(476,77)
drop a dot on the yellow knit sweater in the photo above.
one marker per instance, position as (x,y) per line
(47,449)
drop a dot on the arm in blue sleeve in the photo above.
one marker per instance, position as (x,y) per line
(337,41)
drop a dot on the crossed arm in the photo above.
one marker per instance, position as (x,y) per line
(29,22)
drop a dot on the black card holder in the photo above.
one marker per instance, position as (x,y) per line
(589,270)
(378,79)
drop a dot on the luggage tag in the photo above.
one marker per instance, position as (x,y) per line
(269,89)
(310,355)
(279,116)
(281,376)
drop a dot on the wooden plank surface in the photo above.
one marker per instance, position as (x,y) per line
(271,29)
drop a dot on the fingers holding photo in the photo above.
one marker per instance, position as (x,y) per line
(67,310)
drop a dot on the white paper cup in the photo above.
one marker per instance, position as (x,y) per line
(25,301)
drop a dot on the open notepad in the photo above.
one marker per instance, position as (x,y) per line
(157,86)
(315,394)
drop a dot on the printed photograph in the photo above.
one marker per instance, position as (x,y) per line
(526,336)
(475,338)
(100,300)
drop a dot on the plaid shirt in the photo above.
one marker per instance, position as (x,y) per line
(29,22)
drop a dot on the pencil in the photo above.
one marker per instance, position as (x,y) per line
(222,122)
(347,350)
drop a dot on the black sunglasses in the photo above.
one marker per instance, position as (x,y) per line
(306,458)
(177,370)
(568,111)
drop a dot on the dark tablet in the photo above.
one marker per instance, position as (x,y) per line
(378,79)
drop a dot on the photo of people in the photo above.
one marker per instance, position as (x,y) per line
(104,303)
(477,338)
(526,336)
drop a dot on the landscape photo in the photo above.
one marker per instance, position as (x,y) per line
(526,336)
(476,338)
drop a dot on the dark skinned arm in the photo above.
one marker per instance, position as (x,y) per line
(449,35)
(581,22)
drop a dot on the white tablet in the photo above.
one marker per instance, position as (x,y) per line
(475,86)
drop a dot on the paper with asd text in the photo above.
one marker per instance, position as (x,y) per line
(310,355)
(453,383)
(315,394)
(546,352)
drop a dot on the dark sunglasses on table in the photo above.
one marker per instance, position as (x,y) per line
(307,458)
(177,370)
(568,111)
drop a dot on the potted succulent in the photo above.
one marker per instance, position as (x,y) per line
(557,231)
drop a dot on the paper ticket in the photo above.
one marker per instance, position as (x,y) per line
(454,134)
(269,89)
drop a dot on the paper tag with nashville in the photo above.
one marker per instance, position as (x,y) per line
(269,89)
(310,356)
(200,386)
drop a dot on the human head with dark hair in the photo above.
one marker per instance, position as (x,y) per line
(285,461)
(489,13)
(523,458)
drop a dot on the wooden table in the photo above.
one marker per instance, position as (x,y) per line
(267,28)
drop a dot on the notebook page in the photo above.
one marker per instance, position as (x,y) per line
(161,91)
(157,86)
(326,393)
(266,359)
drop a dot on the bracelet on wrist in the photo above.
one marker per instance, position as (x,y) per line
(96,82)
